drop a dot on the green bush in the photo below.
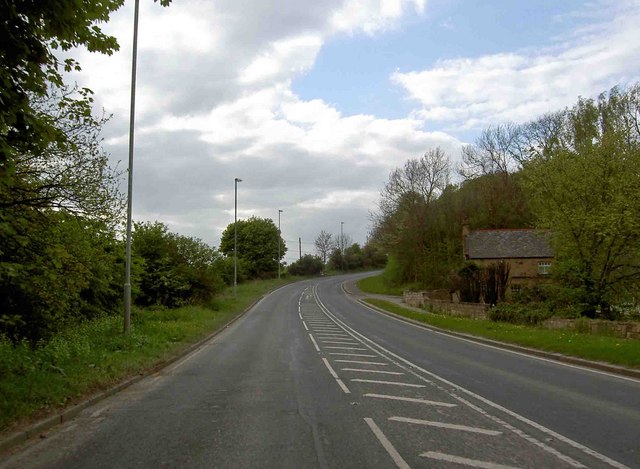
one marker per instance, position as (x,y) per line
(307,265)
(531,314)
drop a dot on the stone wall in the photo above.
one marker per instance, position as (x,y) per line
(468,310)
(623,329)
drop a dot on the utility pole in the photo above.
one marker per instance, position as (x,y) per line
(127,261)
(300,246)
(342,245)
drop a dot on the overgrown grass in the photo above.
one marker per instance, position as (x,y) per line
(96,355)
(377,284)
(624,352)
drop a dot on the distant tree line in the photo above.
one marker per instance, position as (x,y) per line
(575,172)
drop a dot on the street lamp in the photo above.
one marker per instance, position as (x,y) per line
(127,260)
(342,245)
(279,236)
(235,239)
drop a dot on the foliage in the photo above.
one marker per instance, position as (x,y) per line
(306,265)
(585,185)
(176,269)
(257,246)
(32,35)
(515,313)
(55,269)
(379,285)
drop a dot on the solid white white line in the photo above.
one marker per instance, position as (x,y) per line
(305,326)
(345,348)
(386,444)
(514,352)
(315,344)
(345,389)
(410,399)
(411,367)
(362,363)
(408,385)
(450,426)
(374,371)
(464,461)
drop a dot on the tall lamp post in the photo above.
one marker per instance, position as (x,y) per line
(127,262)
(342,245)
(235,238)
(279,236)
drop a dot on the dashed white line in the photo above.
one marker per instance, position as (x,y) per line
(449,426)
(373,371)
(335,375)
(386,444)
(315,344)
(305,326)
(409,399)
(464,461)
(396,383)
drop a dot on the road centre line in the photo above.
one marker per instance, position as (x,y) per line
(449,426)
(409,399)
(335,375)
(386,444)
(396,383)
(464,461)
(301,318)
(305,326)
(411,367)
(315,344)
(373,371)
(361,362)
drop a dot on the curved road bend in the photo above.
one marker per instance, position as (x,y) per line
(311,378)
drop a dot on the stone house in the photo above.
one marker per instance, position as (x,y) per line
(527,253)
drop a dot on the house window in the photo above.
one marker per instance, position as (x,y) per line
(544,267)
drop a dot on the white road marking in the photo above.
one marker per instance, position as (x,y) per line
(354,355)
(332,336)
(464,461)
(346,348)
(300,315)
(450,426)
(314,342)
(396,383)
(374,371)
(335,375)
(410,399)
(386,444)
(305,326)
(363,363)
(411,367)
(340,342)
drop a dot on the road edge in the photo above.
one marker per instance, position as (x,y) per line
(553,356)
(21,436)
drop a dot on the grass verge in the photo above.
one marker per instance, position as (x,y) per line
(35,382)
(378,285)
(623,352)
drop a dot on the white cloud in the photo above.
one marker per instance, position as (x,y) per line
(371,16)
(476,92)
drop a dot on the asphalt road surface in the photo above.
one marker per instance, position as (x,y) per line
(312,378)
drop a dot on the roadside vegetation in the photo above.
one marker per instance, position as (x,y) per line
(94,355)
(617,351)
(379,285)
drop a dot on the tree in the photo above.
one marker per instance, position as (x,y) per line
(585,187)
(324,244)
(30,35)
(257,245)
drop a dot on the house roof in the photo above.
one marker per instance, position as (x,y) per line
(505,244)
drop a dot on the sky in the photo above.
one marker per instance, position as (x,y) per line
(313,104)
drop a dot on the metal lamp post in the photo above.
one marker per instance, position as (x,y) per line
(235,238)
(279,236)
(127,262)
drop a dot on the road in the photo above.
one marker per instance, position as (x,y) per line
(312,378)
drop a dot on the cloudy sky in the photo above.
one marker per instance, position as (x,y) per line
(313,103)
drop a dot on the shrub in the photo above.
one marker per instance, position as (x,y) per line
(532,314)
(307,265)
